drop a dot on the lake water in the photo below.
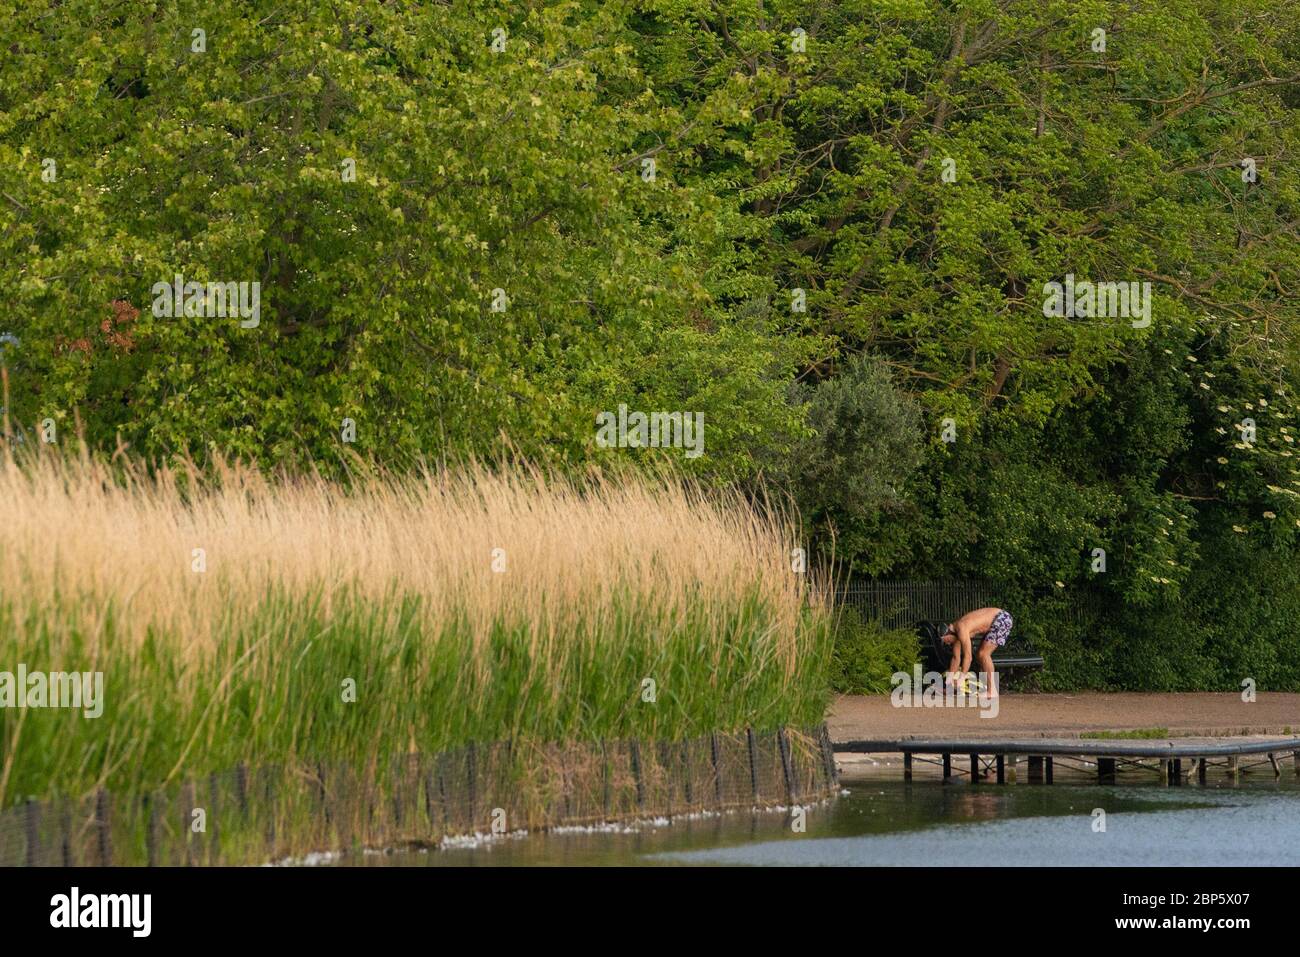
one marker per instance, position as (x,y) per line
(883,821)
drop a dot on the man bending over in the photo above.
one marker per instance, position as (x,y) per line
(995,625)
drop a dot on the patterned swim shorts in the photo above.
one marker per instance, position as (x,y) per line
(1000,630)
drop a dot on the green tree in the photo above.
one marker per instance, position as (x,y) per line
(457,244)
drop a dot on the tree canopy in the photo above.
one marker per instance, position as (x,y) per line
(829,228)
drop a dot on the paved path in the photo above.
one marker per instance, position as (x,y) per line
(1200,714)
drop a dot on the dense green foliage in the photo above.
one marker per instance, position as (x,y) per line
(867,655)
(895,179)
(863,447)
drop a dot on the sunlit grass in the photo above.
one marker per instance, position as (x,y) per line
(1136,734)
(468,605)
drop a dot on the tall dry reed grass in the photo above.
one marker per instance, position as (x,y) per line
(228,609)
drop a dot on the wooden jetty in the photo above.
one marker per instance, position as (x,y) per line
(1172,759)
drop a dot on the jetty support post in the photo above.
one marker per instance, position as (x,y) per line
(947,764)
(1106,770)
(1035,769)
(974,768)
(907,765)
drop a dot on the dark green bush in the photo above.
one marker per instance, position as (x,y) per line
(866,654)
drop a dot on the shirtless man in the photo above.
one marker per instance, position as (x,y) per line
(995,625)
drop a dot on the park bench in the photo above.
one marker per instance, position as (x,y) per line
(1016,655)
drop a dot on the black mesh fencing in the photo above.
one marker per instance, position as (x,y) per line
(265,814)
(902,603)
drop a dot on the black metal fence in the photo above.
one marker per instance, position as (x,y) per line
(902,603)
(256,815)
